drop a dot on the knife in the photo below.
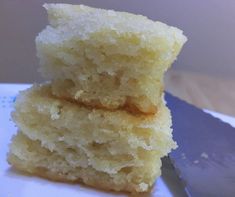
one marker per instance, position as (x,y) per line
(205,158)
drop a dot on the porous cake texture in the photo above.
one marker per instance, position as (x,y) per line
(107,59)
(65,141)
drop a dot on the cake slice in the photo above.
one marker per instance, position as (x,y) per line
(106,59)
(65,141)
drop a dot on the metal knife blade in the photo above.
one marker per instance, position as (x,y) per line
(205,158)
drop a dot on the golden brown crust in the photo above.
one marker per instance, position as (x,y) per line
(127,106)
(134,105)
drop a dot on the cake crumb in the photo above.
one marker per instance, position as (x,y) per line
(183,156)
(204,155)
(143,186)
(55,111)
(196,161)
(78,94)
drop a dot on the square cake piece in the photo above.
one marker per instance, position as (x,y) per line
(65,141)
(107,59)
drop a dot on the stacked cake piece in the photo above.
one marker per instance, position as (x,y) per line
(101,118)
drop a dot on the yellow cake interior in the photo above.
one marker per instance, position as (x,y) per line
(107,59)
(100,118)
(111,150)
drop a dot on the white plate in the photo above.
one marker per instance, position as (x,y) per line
(13,184)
